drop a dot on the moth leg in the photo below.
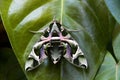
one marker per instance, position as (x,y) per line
(34,60)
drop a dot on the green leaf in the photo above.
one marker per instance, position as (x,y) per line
(116,42)
(9,66)
(91,17)
(114,7)
(109,69)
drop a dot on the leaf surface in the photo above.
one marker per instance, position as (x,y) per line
(116,42)
(9,66)
(114,7)
(91,17)
(109,69)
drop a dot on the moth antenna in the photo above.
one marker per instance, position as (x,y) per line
(73,30)
(54,18)
(69,30)
(36,32)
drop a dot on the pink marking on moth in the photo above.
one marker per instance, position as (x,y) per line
(47,39)
(62,38)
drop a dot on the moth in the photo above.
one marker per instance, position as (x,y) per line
(55,43)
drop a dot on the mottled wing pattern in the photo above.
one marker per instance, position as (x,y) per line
(55,43)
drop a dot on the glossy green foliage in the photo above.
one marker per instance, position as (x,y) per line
(109,69)
(91,17)
(114,7)
(9,66)
(116,42)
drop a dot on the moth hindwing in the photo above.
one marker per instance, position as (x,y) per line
(55,43)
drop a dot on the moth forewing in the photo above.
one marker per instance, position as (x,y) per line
(79,55)
(75,58)
(35,60)
(32,58)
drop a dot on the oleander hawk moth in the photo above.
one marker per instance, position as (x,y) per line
(55,43)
